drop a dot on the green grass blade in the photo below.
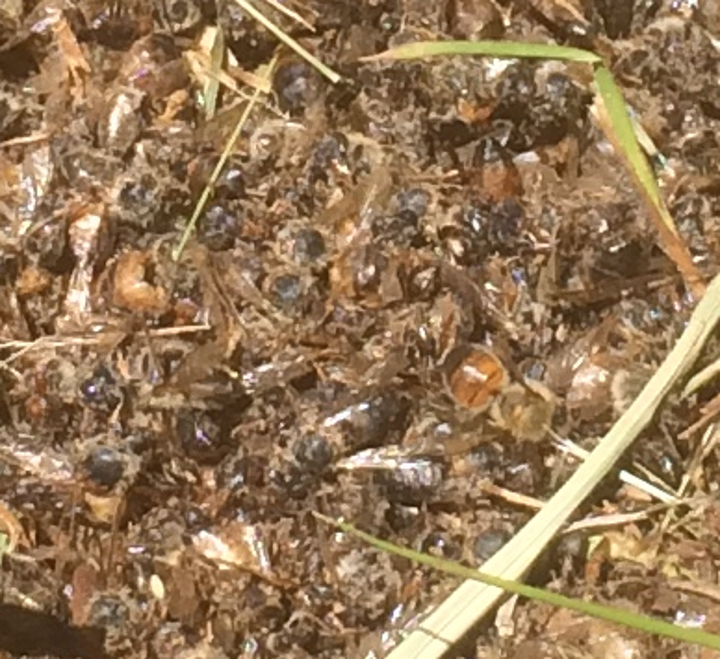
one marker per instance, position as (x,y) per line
(618,126)
(488,48)
(639,622)
(627,139)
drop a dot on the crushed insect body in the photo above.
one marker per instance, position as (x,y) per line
(263,259)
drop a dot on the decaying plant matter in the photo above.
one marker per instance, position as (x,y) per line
(398,285)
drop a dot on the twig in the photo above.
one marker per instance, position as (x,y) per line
(24,347)
(708,412)
(26,139)
(229,147)
(701,378)
(614,519)
(288,41)
(290,13)
(630,479)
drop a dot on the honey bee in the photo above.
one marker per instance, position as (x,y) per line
(477,380)
(594,376)
(474,376)
(358,268)
(132,290)
(524,409)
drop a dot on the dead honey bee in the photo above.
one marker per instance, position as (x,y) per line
(132,290)
(359,269)
(594,376)
(476,379)
(524,409)
(474,376)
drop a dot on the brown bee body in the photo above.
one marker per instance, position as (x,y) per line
(477,380)
(524,410)
(474,377)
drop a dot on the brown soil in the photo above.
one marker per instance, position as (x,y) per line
(371,252)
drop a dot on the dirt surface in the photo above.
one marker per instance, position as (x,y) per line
(397,284)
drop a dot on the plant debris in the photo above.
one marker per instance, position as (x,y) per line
(401,288)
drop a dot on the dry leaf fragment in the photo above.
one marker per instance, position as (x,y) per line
(236,545)
(12,527)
